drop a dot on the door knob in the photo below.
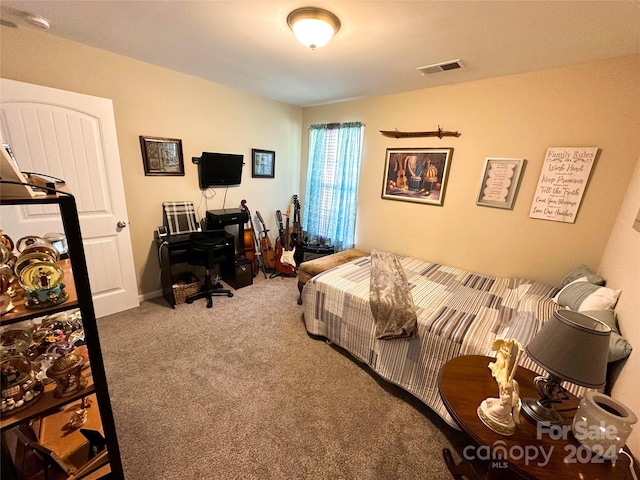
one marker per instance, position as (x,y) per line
(121,224)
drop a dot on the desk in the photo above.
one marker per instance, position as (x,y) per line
(173,250)
(465,381)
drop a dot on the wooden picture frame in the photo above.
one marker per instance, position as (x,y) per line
(263,163)
(500,182)
(162,156)
(417,175)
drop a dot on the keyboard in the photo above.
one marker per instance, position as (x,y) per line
(177,238)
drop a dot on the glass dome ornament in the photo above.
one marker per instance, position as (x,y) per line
(43,285)
(28,241)
(19,385)
(59,242)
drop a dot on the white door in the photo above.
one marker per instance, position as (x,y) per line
(73,137)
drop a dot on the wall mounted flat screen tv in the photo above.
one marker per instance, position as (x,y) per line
(219,169)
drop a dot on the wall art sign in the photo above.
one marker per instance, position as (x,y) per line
(500,182)
(416,174)
(563,180)
(162,156)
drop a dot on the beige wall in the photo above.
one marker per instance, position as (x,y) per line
(516,116)
(153,101)
(621,267)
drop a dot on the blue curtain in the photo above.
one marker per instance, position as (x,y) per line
(335,151)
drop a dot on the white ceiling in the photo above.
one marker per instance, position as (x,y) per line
(247,44)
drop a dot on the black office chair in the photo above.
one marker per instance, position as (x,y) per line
(208,249)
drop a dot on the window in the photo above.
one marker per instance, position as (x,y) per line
(335,151)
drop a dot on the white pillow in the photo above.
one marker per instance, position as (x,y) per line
(581,295)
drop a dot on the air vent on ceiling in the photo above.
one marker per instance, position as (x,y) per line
(440,67)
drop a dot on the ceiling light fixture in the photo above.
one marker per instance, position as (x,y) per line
(313,27)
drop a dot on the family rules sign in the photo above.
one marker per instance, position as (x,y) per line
(563,180)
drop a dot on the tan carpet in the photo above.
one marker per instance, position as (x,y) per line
(241,391)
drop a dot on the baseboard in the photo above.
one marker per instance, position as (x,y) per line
(150,295)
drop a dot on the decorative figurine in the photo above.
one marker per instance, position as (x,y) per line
(503,413)
(79,417)
(66,371)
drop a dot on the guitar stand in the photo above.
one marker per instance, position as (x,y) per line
(276,273)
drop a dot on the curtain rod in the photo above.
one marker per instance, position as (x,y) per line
(336,125)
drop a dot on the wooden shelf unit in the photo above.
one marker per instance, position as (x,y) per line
(79,290)
(48,404)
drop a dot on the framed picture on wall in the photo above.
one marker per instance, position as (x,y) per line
(162,156)
(500,182)
(416,174)
(263,163)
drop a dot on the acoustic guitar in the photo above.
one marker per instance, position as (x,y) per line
(401,181)
(285,264)
(258,261)
(268,253)
(250,251)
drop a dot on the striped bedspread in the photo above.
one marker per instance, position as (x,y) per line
(459,313)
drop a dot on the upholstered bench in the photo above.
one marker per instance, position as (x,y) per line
(308,270)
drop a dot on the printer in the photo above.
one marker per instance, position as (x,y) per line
(217,219)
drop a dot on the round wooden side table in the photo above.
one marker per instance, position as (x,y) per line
(531,452)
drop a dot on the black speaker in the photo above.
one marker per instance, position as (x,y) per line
(315,251)
(241,275)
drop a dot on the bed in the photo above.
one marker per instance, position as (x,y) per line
(458,313)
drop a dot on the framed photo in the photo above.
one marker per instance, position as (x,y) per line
(500,182)
(162,156)
(263,163)
(416,174)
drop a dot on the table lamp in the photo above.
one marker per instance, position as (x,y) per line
(571,347)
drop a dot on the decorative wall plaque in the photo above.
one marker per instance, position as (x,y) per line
(563,180)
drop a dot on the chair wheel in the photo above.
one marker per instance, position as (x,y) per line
(230,294)
(209,303)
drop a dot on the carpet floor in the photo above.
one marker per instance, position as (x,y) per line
(241,391)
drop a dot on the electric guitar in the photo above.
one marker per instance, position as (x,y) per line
(288,253)
(284,264)
(268,253)
(297,239)
(287,229)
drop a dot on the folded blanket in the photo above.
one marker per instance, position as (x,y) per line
(390,298)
